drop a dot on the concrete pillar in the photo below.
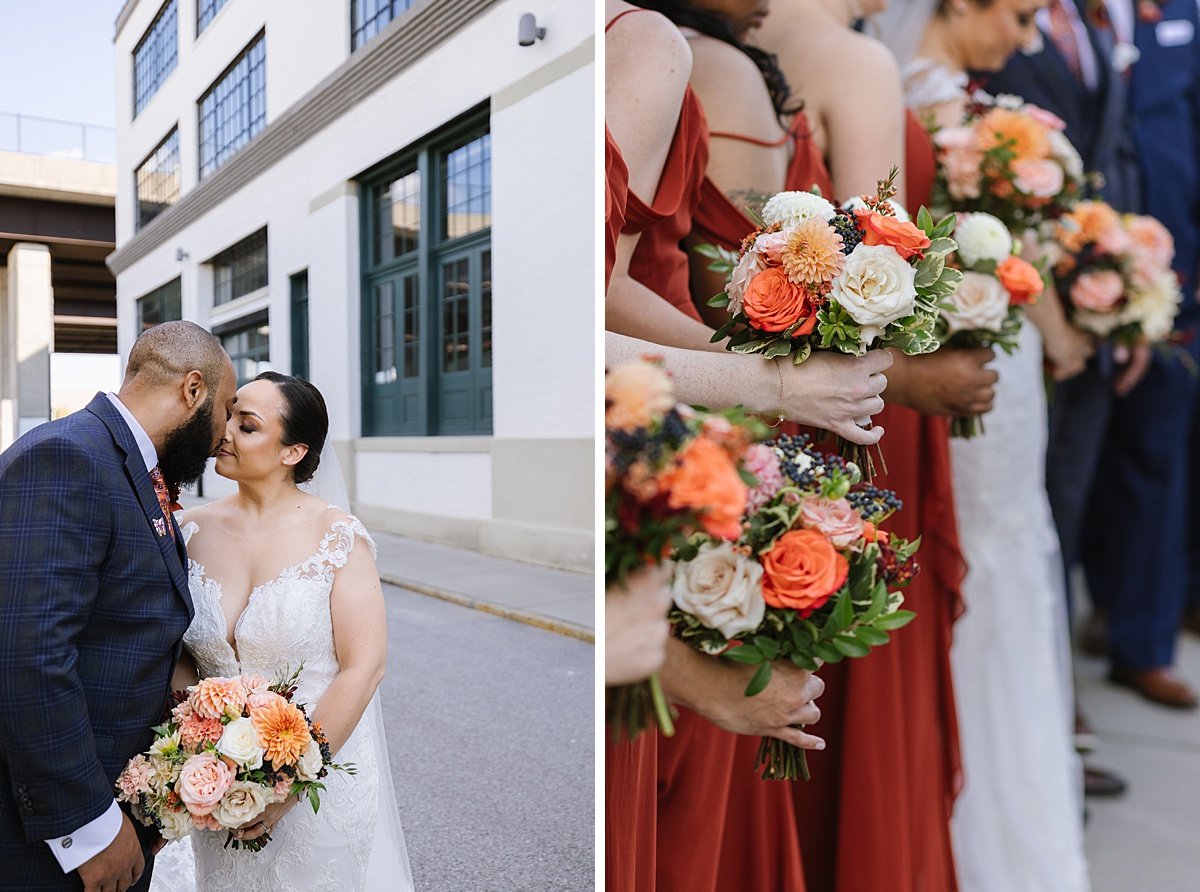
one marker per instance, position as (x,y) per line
(8,369)
(31,321)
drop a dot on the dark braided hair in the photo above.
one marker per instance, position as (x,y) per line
(305,420)
(715,25)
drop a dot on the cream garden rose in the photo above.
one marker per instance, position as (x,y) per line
(876,288)
(239,742)
(721,588)
(242,802)
(175,824)
(979,303)
(982,237)
(793,208)
(309,765)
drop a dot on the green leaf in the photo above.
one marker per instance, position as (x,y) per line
(747,653)
(711,251)
(802,352)
(925,220)
(720,299)
(759,680)
(827,652)
(897,620)
(929,270)
(776,348)
(872,636)
(314,799)
(942,246)
(768,647)
(850,647)
(721,332)
(804,661)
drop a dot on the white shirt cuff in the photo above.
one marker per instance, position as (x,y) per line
(88,841)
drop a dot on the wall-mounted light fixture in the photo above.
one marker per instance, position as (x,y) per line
(181,255)
(528,31)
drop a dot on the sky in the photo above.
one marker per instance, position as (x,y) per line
(56,59)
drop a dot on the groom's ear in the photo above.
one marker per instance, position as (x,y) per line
(195,390)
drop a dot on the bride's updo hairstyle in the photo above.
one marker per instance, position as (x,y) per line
(305,421)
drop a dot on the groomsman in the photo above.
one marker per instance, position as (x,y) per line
(1136,545)
(1079,73)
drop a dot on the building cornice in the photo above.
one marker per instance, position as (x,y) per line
(405,41)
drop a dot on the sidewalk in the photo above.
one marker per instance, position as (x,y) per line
(1145,839)
(557,600)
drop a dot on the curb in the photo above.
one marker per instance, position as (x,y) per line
(559,627)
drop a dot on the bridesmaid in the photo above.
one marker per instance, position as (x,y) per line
(877,813)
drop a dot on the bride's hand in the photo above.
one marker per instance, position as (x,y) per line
(265,822)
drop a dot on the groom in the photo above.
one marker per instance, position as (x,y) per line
(93,606)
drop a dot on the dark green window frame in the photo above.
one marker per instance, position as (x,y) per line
(163,304)
(247,340)
(426,296)
(299,301)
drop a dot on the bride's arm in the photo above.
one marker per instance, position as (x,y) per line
(360,641)
(186,674)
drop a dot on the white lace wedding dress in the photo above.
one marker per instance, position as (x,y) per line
(1017,824)
(354,842)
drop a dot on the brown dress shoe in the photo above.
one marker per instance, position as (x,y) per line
(1161,685)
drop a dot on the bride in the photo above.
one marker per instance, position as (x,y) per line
(1017,825)
(281,579)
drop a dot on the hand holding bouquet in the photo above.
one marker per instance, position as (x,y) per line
(231,747)
(986,308)
(811,578)
(1114,273)
(669,472)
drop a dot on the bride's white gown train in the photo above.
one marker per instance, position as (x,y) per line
(355,841)
(1017,824)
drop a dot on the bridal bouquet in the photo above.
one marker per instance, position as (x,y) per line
(231,747)
(814,276)
(986,308)
(1114,273)
(811,578)
(1008,158)
(669,472)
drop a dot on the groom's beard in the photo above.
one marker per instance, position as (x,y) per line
(188,448)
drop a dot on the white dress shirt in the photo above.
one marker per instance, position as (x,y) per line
(97,835)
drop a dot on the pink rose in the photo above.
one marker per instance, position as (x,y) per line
(1045,118)
(262,699)
(836,519)
(1041,179)
(749,266)
(762,461)
(203,780)
(1098,291)
(206,822)
(1151,239)
(770,247)
(1114,241)
(135,779)
(253,684)
(961,161)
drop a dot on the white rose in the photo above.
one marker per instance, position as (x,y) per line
(1154,307)
(793,208)
(1062,149)
(175,824)
(750,265)
(1008,100)
(982,237)
(242,802)
(309,765)
(876,288)
(240,743)
(721,588)
(979,302)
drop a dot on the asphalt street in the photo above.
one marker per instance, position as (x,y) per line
(490,726)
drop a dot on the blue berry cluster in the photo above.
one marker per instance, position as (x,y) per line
(847,227)
(655,444)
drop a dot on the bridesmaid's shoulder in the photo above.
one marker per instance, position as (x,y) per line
(647,32)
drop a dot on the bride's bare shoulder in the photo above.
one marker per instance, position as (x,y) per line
(197,513)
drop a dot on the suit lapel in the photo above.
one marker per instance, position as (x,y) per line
(143,489)
(1060,80)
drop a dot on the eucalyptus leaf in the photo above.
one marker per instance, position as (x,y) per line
(759,680)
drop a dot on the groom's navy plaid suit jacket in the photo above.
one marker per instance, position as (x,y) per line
(93,605)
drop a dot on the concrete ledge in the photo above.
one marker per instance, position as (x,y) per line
(461,532)
(479,444)
(552,547)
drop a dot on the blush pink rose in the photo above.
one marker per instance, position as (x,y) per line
(1114,241)
(206,822)
(961,161)
(1151,238)
(762,461)
(262,699)
(203,780)
(1041,179)
(1099,291)
(836,519)
(770,247)
(1045,118)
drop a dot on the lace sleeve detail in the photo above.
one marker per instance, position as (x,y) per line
(340,542)
(929,83)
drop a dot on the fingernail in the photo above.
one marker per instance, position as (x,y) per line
(820,744)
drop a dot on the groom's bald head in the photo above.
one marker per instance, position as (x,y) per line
(163,354)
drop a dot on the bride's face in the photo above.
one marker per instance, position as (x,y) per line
(252,447)
(989,34)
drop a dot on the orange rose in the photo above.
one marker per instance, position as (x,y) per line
(706,479)
(900,235)
(1022,281)
(802,571)
(773,303)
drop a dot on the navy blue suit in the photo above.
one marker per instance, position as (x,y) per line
(93,606)
(1096,126)
(1135,553)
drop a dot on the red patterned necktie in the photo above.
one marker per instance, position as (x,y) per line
(164,498)
(1063,36)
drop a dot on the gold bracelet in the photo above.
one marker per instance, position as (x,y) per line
(782,417)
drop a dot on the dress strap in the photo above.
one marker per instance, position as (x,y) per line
(621,15)
(767,144)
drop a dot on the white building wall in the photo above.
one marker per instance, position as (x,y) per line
(527,491)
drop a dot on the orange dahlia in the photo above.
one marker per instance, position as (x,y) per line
(282,731)
(1087,223)
(215,697)
(813,253)
(1016,130)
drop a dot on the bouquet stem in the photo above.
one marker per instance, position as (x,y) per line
(781,761)
(629,708)
(863,457)
(966,428)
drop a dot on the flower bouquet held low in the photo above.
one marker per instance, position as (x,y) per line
(815,277)
(1114,273)
(986,309)
(231,747)
(812,578)
(669,471)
